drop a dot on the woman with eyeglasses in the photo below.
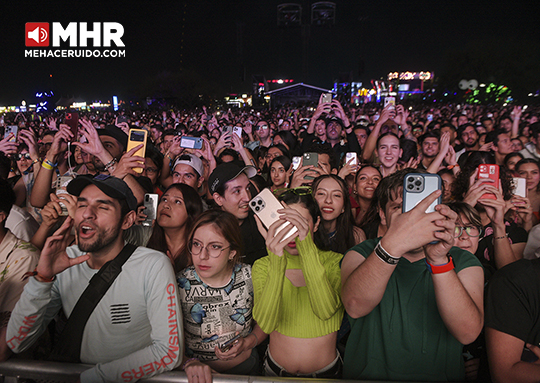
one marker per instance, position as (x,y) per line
(297,294)
(468,226)
(178,208)
(216,294)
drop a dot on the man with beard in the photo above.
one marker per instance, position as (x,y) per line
(429,143)
(469,137)
(135,330)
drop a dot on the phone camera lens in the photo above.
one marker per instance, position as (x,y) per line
(260,202)
(253,203)
(418,183)
(411,179)
(411,186)
(257,208)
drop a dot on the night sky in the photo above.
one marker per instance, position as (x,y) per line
(223,43)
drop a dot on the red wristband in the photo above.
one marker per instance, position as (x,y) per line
(439,269)
(35,273)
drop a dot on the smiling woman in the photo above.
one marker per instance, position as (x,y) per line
(331,194)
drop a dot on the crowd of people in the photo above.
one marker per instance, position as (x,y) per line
(345,283)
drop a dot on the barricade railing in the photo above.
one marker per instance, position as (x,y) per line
(17,371)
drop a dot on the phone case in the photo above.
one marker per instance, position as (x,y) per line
(265,205)
(417,186)
(11,129)
(348,157)
(137,137)
(490,171)
(150,208)
(310,159)
(519,187)
(191,142)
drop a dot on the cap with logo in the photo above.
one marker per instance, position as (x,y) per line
(111,186)
(191,160)
(227,172)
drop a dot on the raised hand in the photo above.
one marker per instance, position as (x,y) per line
(54,259)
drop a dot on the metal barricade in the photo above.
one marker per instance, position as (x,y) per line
(19,371)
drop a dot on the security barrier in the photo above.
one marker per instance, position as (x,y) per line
(17,371)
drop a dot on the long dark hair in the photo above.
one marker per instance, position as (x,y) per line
(528,161)
(343,238)
(475,158)
(194,208)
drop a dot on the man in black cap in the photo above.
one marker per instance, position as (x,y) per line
(230,187)
(135,330)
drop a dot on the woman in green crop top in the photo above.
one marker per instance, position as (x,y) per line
(297,294)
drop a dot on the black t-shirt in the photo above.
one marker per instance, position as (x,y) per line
(254,243)
(513,300)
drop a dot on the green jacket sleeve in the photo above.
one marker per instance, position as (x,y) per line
(323,281)
(268,275)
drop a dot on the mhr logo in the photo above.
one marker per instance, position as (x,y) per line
(101,34)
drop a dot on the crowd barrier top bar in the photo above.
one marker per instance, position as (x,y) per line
(16,370)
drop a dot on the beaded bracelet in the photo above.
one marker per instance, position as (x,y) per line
(110,163)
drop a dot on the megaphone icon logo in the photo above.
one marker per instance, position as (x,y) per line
(37,34)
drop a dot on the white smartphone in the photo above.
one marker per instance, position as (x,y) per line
(150,208)
(61,189)
(238,131)
(519,187)
(352,157)
(296,162)
(265,205)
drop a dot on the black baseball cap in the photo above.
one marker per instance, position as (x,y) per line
(111,186)
(116,133)
(227,172)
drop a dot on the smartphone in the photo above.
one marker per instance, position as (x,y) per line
(122,119)
(72,120)
(228,131)
(61,189)
(519,187)
(191,142)
(489,171)
(296,162)
(390,101)
(310,159)
(137,137)
(150,208)
(265,205)
(238,131)
(429,117)
(417,186)
(326,98)
(229,344)
(11,129)
(352,157)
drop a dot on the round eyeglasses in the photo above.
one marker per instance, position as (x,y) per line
(472,231)
(212,249)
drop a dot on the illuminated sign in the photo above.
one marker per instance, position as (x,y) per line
(281,81)
(407,76)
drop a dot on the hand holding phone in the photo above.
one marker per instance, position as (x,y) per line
(229,344)
(491,172)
